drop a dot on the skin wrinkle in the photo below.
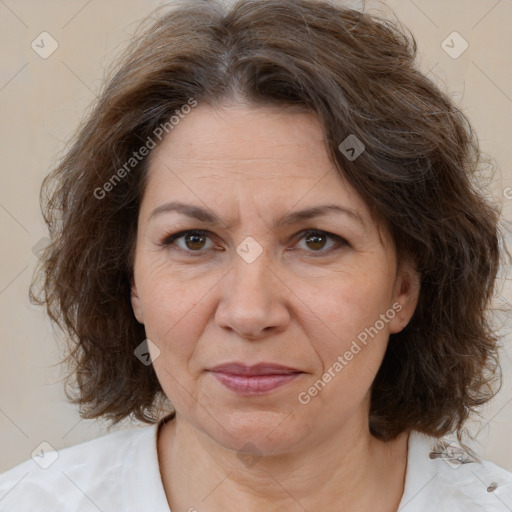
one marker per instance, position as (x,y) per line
(421,173)
(286,306)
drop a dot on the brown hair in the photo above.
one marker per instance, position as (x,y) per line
(357,72)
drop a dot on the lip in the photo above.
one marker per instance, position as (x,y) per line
(254,380)
(255,384)
(259,369)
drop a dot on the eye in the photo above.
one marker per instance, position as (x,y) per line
(317,240)
(192,240)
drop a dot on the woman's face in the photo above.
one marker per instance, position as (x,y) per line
(259,281)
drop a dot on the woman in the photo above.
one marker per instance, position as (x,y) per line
(269,222)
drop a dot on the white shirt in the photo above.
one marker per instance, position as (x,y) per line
(119,472)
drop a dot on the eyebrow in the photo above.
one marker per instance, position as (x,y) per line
(208,217)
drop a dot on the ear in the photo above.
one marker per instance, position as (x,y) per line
(136,303)
(405,297)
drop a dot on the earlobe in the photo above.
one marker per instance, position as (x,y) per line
(136,304)
(406,295)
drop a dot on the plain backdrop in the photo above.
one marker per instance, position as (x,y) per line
(42,100)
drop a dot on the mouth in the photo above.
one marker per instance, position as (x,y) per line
(254,380)
(237,368)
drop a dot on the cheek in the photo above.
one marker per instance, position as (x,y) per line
(348,342)
(348,301)
(174,312)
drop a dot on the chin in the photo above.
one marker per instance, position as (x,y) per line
(262,432)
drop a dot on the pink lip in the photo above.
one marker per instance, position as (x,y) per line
(254,384)
(254,380)
(259,369)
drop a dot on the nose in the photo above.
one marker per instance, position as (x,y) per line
(254,300)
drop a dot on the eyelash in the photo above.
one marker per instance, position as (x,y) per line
(169,239)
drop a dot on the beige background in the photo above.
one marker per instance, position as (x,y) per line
(42,101)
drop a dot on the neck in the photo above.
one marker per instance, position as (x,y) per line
(352,470)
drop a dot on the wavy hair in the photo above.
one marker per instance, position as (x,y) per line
(418,173)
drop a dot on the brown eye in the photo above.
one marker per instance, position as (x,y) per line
(195,240)
(188,241)
(316,240)
(322,242)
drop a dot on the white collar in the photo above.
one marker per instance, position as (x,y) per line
(441,476)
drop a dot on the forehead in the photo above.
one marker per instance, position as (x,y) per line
(247,165)
(240,142)
(238,136)
(264,159)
